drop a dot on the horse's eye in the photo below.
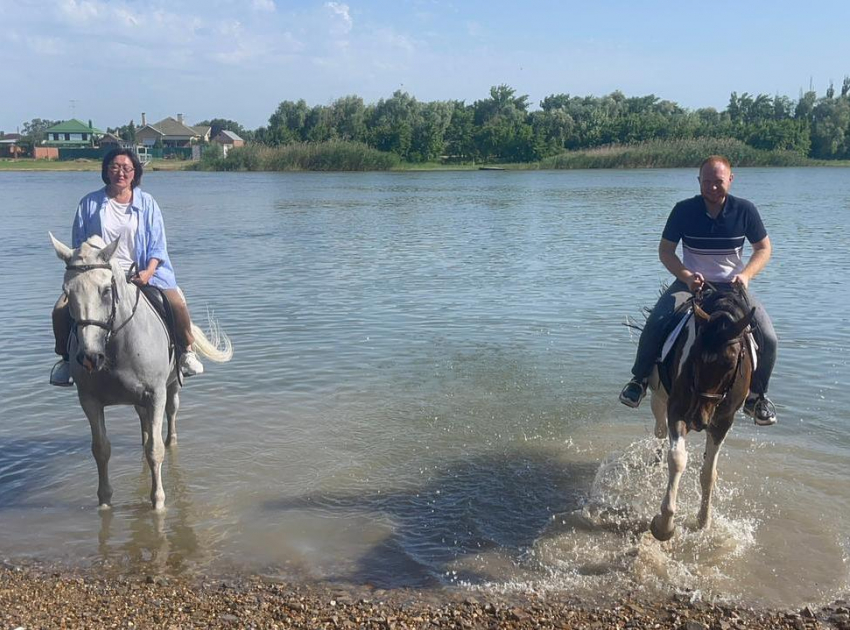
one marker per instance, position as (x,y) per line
(106,292)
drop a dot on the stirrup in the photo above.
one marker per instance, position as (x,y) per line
(633,393)
(60,374)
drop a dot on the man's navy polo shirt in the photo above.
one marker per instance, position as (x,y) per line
(714,247)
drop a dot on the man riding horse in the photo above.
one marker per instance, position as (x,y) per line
(712,227)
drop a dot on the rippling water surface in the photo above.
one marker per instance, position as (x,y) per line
(424,388)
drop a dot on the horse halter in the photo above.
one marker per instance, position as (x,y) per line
(719,398)
(109,324)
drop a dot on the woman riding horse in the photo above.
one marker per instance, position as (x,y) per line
(122,211)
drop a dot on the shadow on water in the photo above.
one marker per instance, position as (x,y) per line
(31,465)
(493,504)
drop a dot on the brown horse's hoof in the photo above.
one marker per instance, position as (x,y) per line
(658,533)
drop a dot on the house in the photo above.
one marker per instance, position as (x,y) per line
(10,146)
(171,132)
(71,134)
(111,141)
(229,139)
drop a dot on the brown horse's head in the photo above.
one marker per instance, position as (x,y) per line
(715,378)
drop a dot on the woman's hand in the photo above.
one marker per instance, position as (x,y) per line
(143,277)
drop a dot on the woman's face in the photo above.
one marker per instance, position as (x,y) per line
(121,172)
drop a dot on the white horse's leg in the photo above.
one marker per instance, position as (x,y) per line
(707,478)
(100,448)
(143,417)
(172,405)
(154,448)
(662,526)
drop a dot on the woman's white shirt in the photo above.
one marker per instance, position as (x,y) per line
(122,223)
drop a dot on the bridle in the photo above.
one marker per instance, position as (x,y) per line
(719,398)
(109,324)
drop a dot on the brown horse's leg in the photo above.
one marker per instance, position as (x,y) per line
(658,404)
(708,475)
(707,478)
(662,526)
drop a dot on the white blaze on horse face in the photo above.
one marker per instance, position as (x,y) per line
(90,298)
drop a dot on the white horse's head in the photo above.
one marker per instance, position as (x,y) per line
(92,289)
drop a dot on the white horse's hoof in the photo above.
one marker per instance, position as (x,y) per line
(658,533)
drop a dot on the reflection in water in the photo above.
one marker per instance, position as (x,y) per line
(158,542)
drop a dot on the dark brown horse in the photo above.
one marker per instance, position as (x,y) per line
(709,367)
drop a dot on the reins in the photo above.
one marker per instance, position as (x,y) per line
(109,324)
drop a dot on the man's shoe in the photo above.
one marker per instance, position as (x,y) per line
(60,375)
(633,393)
(761,410)
(190,365)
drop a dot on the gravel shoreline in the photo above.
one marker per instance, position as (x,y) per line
(39,598)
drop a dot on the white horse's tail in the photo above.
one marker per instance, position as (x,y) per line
(215,344)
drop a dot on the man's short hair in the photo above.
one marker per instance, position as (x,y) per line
(722,159)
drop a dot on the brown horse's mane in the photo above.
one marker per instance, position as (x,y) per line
(726,306)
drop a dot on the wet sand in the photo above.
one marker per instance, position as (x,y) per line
(38,597)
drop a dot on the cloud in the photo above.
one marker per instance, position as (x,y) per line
(341,15)
(82,11)
(45,45)
(264,6)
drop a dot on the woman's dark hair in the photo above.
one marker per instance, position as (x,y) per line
(107,160)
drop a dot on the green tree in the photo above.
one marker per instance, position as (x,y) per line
(34,129)
(287,124)
(224,124)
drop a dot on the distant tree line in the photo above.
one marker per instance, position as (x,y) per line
(501,128)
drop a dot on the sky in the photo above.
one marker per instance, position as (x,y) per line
(109,60)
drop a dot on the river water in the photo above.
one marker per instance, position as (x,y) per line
(424,389)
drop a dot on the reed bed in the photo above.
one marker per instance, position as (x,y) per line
(672,154)
(302,156)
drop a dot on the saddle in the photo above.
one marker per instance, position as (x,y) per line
(156,297)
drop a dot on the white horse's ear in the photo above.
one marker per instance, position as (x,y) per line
(62,251)
(108,252)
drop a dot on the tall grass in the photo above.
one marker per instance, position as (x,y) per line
(303,156)
(672,154)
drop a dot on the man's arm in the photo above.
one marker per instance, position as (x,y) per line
(667,256)
(761,254)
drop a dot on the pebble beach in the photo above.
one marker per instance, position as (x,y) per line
(36,597)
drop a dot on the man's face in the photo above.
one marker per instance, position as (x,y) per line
(715,180)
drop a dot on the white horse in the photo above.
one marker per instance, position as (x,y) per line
(120,356)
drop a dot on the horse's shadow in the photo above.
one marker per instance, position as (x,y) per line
(500,502)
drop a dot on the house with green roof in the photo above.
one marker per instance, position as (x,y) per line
(71,133)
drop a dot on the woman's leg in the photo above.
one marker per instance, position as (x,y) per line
(189,362)
(60,374)
(182,319)
(61,326)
